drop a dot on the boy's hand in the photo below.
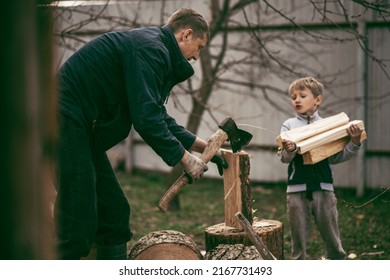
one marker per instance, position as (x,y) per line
(289,146)
(354,132)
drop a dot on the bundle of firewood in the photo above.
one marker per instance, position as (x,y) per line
(321,139)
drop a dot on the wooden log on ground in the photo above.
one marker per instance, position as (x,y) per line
(233,252)
(237,194)
(165,245)
(324,151)
(300,133)
(270,231)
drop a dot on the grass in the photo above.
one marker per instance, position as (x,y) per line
(364,224)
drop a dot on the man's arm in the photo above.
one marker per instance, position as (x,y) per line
(145,73)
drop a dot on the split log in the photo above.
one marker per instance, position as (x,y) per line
(270,231)
(233,252)
(326,137)
(300,133)
(324,151)
(165,245)
(237,194)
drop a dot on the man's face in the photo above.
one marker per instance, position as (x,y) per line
(189,45)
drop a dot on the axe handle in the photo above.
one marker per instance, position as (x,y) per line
(214,143)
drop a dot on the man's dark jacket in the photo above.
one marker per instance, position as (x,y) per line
(122,79)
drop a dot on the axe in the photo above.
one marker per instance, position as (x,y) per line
(228,131)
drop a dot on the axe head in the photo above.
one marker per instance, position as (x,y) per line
(238,138)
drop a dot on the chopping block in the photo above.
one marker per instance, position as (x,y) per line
(238,198)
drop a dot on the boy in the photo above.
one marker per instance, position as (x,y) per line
(310,187)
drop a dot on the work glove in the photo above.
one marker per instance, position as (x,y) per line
(220,161)
(194,168)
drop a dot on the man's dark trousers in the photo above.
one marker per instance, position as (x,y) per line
(90,205)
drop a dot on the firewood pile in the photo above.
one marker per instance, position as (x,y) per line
(321,139)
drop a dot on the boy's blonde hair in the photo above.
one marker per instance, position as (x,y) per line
(308,82)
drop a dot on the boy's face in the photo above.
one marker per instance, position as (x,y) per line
(304,102)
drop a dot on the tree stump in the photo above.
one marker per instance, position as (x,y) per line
(165,245)
(270,231)
(233,252)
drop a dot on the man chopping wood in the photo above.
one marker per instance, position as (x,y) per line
(310,187)
(115,82)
